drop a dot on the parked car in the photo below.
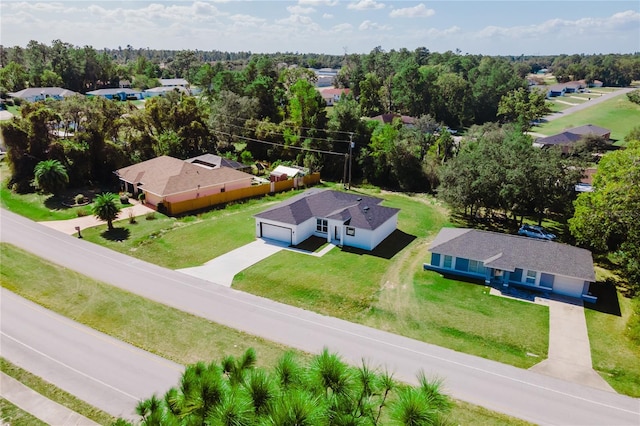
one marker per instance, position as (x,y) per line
(534,231)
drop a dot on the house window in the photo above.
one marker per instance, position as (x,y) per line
(447,261)
(322,226)
(531,277)
(351,231)
(476,266)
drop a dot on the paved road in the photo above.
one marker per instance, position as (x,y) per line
(101,370)
(592,102)
(521,393)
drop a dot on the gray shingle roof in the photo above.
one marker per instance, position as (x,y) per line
(214,161)
(355,210)
(508,252)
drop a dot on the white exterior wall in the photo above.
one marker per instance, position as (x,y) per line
(305,230)
(384,231)
(273,222)
(363,239)
(569,286)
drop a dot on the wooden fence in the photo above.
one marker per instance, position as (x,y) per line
(200,203)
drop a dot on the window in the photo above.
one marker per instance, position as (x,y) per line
(322,226)
(447,261)
(476,266)
(351,231)
(531,277)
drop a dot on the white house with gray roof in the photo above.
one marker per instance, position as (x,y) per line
(342,218)
(505,260)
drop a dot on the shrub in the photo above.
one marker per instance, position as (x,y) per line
(150,216)
(124,197)
(132,217)
(79,198)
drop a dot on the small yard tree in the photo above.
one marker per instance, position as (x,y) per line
(50,176)
(106,207)
(326,391)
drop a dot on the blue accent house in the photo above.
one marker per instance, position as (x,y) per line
(504,260)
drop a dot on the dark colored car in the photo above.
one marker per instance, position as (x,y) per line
(534,231)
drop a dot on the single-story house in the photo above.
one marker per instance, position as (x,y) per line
(167,179)
(332,96)
(342,218)
(285,172)
(34,94)
(119,94)
(174,82)
(162,90)
(215,161)
(505,260)
(571,136)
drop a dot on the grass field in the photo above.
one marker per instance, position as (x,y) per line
(618,114)
(14,416)
(159,329)
(53,393)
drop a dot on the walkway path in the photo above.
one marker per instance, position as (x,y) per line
(39,406)
(69,226)
(569,349)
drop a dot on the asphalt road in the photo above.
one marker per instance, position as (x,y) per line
(594,100)
(520,393)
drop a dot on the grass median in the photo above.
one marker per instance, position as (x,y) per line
(165,331)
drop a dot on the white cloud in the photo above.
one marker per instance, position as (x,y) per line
(247,20)
(369,25)
(419,11)
(365,5)
(300,10)
(340,28)
(318,2)
(327,16)
(617,23)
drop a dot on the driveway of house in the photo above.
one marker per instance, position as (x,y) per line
(222,269)
(569,349)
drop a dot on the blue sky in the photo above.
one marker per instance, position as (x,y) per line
(330,26)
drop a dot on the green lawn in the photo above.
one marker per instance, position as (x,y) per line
(188,241)
(615,344)
(394,294)
(53,393)
(618,114)
(34,205)
(168,332)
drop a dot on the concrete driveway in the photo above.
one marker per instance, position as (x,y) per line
(222,269)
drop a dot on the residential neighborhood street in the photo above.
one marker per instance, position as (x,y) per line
(520,393)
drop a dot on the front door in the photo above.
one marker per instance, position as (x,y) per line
(336,236)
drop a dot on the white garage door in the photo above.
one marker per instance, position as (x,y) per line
(274,232)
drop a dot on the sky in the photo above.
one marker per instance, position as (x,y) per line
(513,27)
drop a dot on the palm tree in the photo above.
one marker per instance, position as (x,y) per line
(50,176)
(106,207)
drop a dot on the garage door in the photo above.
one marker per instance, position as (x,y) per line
(274,232)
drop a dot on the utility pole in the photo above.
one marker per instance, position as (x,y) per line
(351,146)
(344,178)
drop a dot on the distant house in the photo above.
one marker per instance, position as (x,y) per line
(174,82)
(511,260)
(118,94)
(569,137)
(162,90)
(34,94)
(342,218)
(332,96)
(215,161)
(124,84)
(285,172)
(388,119)
(167,179)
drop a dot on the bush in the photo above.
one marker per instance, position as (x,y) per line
(124,198)
(150,216)
(141,197)
(79,199)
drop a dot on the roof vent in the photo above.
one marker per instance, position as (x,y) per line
(359,199)
(365,208)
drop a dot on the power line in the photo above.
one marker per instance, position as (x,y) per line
(301,148)
(304,128)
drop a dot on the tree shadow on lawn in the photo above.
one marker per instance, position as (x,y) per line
(607,295)
(388,248)
(116,234)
